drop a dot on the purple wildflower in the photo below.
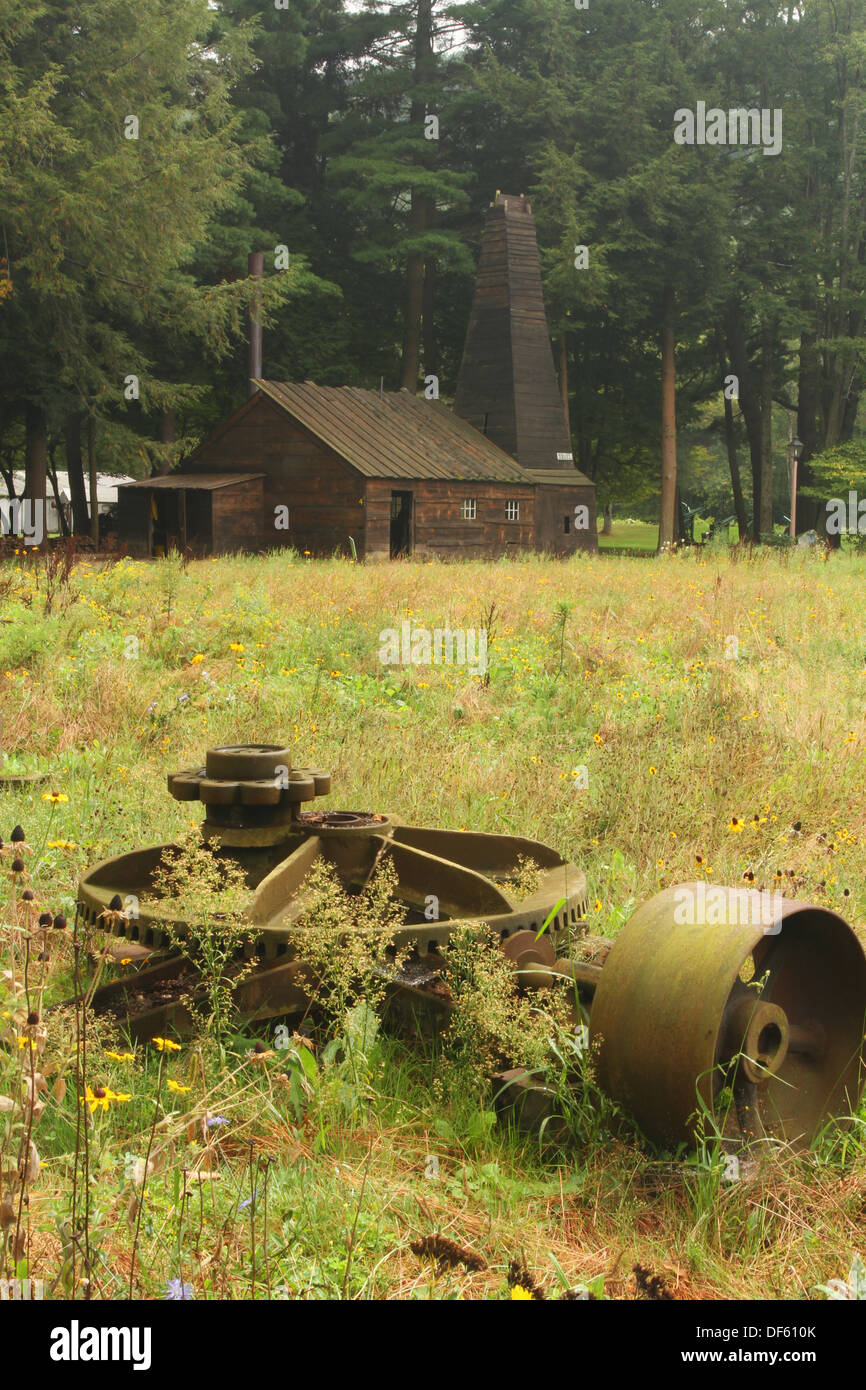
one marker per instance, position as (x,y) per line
(176,1290)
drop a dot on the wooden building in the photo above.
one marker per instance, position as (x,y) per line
(320,468)
(397,473)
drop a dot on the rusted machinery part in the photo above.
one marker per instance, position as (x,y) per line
(465,883)
(533,957)
(447,881)
(468,899)
(584,966)
(286,789)
(677,1026)
(160,998)
(519,1097)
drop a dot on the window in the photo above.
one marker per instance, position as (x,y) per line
(512,511)
(467,509)
(567,521)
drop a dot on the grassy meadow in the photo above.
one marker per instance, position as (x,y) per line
(715,700)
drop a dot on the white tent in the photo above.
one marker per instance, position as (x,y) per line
(106,496)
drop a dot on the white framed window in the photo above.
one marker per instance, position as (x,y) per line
(468,509)
(512,511)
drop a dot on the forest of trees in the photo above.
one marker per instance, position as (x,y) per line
(147,149)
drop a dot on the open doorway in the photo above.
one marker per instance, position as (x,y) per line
(401,524)
(169,521)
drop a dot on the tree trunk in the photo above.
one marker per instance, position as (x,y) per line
(94,488)
(55,488)
(414,302)
(750,405)
(765,509)
(811,511)
(419,215)
(167,434)
(428,322)
(75,473)
(668,517)
(731,446)
(36,457)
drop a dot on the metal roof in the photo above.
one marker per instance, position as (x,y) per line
(394,435)
(566,476)
(208,481)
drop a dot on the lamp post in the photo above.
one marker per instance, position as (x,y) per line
(795,449)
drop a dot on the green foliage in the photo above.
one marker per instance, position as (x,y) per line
(206,896)
(839,470)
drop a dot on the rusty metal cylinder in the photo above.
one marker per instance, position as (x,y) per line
(706,991)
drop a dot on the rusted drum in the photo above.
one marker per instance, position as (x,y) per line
(745,1004)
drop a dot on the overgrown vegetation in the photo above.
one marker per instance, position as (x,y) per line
(329,1157)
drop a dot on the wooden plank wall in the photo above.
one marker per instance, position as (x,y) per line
(133,519)
(323,495)
(236,517)
(438,528)
(485,388)
(542,430)
(552,505)
(507,372)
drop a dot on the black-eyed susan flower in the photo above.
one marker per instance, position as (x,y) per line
(121,1056)
(735,825)
(100,1098)
(177,1088)
(54,797)
(166,1045)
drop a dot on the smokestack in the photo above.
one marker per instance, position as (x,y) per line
(256,267)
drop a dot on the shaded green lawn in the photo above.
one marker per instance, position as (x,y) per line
(637,535)
(644,535)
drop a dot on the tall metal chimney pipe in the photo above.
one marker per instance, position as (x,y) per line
(256,267)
